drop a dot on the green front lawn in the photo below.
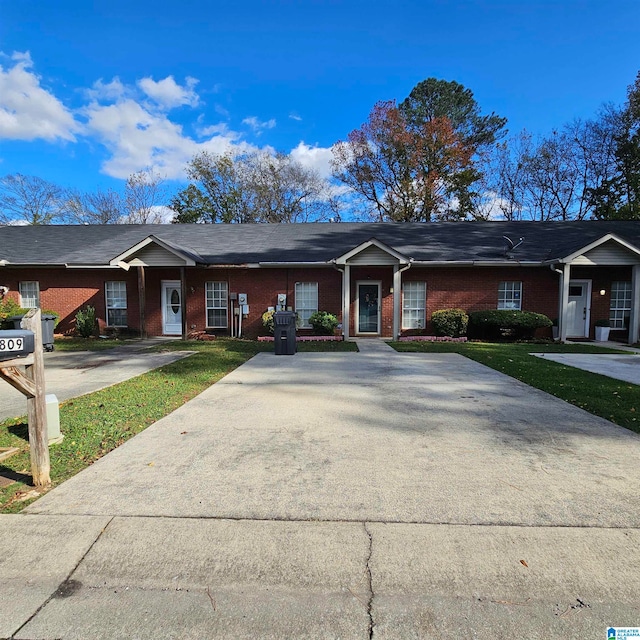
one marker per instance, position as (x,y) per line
(96,423)
(614,400)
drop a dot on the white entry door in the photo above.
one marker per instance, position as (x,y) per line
(171,308)
(579,308)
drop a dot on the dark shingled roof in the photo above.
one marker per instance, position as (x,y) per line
(300,243)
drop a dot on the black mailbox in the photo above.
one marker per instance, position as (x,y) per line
(16,344)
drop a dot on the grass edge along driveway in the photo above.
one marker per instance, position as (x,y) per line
(99,422)
(614,400)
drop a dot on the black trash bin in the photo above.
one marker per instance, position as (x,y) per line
(284,333)
(48,324)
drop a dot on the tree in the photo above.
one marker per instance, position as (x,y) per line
(100,207)
(144,198)
(618,197)
(406,173)
(420,161)
(251,187)
(30,200)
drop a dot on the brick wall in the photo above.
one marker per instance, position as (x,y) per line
(68,290)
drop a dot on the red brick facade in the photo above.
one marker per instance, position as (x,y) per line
(68,290)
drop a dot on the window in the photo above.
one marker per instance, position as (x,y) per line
(620,307)
(414,300)
(510,295)
(217,317)
(29,294)
(116,294)
(306,302)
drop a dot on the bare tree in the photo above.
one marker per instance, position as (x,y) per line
(145,196)
(30,200)
(100,207)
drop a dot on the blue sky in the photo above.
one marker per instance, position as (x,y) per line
(93,91)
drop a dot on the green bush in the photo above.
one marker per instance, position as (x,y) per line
(8,308)
(268,322)
(496,324)
(86,322)
(323,323)
(450,322)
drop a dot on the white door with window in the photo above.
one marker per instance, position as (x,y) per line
(368,318)
(579,308)
(171,308)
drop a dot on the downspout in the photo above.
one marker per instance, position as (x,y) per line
(397,294)
(345,313)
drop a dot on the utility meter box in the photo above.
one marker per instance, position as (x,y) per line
(242,298)
(16,344)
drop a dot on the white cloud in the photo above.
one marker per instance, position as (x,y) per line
(168,93)
(295,116)
(113,90)
(139,139)
(259,126)
(28,111)
(220,129)
(318,158)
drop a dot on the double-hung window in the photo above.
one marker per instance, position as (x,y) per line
(510,295)
(116,296)
(414,300)
(620,307)
(217,297)
(306,302)
(29,294)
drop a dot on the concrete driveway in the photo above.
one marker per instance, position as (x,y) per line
(343,495)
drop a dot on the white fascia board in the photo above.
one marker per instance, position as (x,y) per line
(596,243)
(295,264)
(91,266)
(475,263)
(372,243)
(189,262)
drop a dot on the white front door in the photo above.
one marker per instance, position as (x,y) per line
(368,318)
(171,308)
(579,308)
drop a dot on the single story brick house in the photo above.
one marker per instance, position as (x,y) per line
(380,279)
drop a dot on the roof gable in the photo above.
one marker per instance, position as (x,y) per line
(155,252)
(372,252)
(607,250)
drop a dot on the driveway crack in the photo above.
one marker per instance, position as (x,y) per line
(369,581)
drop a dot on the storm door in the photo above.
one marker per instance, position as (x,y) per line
(368,318)
(171,308)
(578,308)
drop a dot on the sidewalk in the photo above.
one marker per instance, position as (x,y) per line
(69,374)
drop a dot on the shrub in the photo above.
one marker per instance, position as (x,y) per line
(498,324)
(268,321)
(8,308)
(323,323)
(450,322)
(86,322)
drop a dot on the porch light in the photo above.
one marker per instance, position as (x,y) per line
(602,292)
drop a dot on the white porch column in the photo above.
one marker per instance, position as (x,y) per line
(634,320)
(346,299)
(564,302)
(397,288)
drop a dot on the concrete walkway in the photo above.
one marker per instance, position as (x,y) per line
(618,366)
(340,495)
(69,374)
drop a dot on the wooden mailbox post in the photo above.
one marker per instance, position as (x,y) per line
(31,384)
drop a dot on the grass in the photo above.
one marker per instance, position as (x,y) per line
(614,400)
(65,343)
(99,422)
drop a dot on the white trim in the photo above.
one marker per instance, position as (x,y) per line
(107,308)
(634,319)
(357,318)
(372,243)
(606,238)
(188,261)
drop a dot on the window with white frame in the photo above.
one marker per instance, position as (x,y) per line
(510,295)
(620,307)
(29,294)
(414,300)
(116,296)
(217,303)
(306,302)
